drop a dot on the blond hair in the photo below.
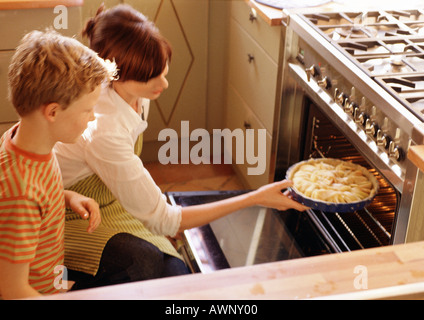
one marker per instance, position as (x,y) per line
(48,67)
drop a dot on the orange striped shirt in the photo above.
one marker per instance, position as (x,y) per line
(32,213)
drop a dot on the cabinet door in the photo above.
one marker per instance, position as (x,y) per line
(253,73)
(185,24)
(239,116)
(7,111)
(268,37)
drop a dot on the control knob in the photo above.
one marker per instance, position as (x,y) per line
(325,83)
(395,152)
(312,71)
(350,107)
(371,128)
(340,97)
(359,117)
(382,139)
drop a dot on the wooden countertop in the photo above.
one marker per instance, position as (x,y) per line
(274,16)
(28,4)
(269,14)
(416,155)
(386,272)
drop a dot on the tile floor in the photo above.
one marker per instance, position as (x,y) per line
(191,177)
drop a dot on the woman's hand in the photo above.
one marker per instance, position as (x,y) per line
(86,207)
(272,196)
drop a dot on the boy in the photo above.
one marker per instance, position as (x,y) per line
(54,82)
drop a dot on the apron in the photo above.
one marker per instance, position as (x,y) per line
(83,250)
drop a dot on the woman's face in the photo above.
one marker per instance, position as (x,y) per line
(150,89)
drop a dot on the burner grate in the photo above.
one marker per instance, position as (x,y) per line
(387,45)
(408,88)
(388,38)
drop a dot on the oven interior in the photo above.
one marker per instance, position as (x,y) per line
(370,227)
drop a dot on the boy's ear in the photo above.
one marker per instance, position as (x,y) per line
(50,111)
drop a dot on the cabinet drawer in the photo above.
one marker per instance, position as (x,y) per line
(238,115)
(268,37)
(7,111)
(256,80)
(14,24)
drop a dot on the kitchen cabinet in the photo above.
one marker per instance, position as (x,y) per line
(253,78)
(16,22)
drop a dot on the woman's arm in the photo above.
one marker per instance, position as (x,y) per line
(269,196)
(112,158)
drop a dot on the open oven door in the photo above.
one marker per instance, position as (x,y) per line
(246,237)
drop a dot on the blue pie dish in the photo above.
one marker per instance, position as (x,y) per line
(329,206)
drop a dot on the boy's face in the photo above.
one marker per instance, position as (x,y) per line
(72,121)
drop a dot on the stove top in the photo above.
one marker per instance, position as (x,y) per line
(387,45)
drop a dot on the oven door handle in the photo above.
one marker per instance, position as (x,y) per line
(347,125)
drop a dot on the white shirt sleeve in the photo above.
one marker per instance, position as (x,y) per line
(112,158)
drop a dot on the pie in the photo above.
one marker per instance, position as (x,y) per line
(333,180)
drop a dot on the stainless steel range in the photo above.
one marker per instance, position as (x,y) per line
(352,88)
(361,75)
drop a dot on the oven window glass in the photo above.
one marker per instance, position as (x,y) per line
(260,235)
(250,236)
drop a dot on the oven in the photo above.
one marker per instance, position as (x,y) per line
(352,89)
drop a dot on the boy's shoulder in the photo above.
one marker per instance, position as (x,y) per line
(19,170)
(11,178)
(3,138)
(5,154)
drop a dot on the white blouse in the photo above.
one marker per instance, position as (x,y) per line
(106,148)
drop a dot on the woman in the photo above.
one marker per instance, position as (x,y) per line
(131,244)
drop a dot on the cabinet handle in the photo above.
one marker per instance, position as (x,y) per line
(252,15)
(250,57)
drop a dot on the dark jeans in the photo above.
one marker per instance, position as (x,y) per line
(127,258)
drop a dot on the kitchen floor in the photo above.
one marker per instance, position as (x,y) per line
(191,177)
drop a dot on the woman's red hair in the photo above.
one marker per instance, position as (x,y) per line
(126,36)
